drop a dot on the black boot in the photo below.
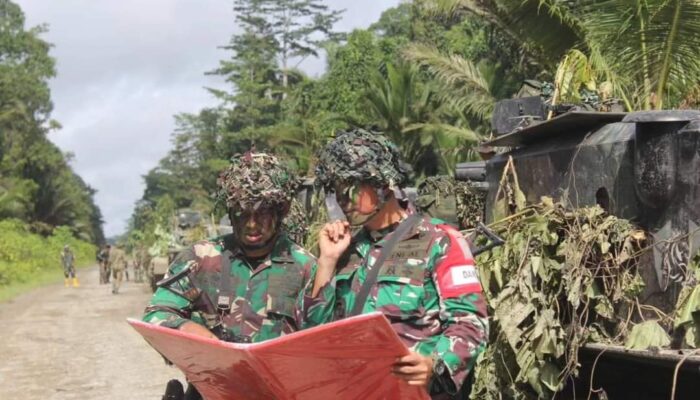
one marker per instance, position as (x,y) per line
(174,391)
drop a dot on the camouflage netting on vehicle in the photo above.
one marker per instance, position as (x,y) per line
(562,279)
(256,180)
(361,156)
(565,278)
(453,201)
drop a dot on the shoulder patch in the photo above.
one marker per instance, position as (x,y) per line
(456,272)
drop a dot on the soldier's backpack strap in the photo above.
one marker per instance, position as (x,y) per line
(404,228)
(225,295)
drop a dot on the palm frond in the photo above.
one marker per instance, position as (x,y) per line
(450,131)
(462,84)
(546,28)
(654,43)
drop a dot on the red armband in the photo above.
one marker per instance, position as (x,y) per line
(456,273)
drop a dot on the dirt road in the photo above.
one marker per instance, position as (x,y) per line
(73,343)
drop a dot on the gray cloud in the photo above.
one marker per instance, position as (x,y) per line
(125,68)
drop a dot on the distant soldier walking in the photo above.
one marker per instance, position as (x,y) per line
(117,263)
(102,259)
(127,261)
(68,261)
(140,264)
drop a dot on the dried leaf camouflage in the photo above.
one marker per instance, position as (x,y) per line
(562,279)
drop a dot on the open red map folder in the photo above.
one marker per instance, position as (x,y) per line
(348,359)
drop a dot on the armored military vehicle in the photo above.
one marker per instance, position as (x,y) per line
(187,226)
(641,166)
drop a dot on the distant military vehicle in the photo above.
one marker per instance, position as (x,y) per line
(641,166)
(187,226)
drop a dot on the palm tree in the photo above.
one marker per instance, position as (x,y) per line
(15,197)
(461,84)
(646,48)
(412,114)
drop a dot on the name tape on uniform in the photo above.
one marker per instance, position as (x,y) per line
(458,280)
(464,275)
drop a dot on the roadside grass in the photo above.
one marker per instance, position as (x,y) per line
(40,279)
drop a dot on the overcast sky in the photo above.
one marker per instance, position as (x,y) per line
(125,67)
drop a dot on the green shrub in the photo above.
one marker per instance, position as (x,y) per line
(23,254)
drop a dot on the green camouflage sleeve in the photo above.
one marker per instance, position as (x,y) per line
(167,308)
(462,311)
(318,310)
(304,300)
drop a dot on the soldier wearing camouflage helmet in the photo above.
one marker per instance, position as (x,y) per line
(252,278)
(414,269)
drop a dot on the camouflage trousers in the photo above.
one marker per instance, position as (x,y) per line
(69,271)
(104,273)
(138,274)
(117,277)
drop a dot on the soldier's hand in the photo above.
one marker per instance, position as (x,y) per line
(414,368)
(334,239)
(197,329)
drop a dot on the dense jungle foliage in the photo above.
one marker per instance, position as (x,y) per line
(42,200)
(24,255)
(428,73)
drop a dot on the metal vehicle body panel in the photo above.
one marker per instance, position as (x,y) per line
(645,167)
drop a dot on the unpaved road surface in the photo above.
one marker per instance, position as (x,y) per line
(74,343)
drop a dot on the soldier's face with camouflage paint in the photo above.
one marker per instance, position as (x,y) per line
(359,202)
(255,228)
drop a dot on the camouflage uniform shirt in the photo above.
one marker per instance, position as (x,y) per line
(116,259)
(446,322)
(67,259)
(266,297)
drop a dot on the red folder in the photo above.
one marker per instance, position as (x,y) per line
(345,360)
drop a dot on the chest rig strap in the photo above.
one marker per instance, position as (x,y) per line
(225,292)
(401,231)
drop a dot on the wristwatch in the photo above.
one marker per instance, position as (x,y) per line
(439,367)
(441,381)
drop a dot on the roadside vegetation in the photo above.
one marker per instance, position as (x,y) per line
(43,203)
(28,259)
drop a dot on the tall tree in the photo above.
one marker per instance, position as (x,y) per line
(40,186)
(251,71)
(299,28)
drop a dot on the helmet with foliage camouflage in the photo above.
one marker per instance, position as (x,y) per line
(257,180)
(361,156)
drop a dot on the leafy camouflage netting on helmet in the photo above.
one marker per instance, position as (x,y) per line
(256,180)
(361,156)
(466,203)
